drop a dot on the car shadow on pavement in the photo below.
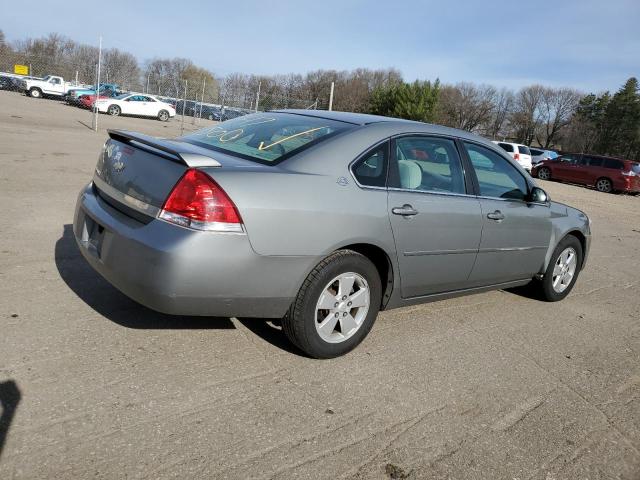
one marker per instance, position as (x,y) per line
(109,302)
(9,398)
(270,330)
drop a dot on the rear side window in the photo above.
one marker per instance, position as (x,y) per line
(613,164)
(371,169)
(506,146)
(524,150)
(428,164)
(267,137)
(496,176)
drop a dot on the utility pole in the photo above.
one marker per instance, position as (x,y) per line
(258,96)
(204,82)
(95,115)
(333,84)
(148,75)
(184,104)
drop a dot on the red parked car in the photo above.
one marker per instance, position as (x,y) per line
(607,174)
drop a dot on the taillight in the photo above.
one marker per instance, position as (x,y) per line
(198,202)
(516,156)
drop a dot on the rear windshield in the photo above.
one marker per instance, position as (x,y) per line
(524,150)
(506,146)
(267,137)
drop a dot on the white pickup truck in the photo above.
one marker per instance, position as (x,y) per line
(49,85)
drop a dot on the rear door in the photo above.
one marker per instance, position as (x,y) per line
(515,233)
(436,222)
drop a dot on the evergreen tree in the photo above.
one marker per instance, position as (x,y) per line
(411,101)
(621,123)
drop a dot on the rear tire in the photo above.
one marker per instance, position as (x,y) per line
(163,115)
(604,185)
(343,292)
(563,270)
(544,173)
(35,93)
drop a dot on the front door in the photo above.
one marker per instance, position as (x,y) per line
(515,233)
(436,223)
(566,167)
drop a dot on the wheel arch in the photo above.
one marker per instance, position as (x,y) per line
(583,242)
(382,261)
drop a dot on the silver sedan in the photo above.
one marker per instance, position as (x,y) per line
(320,219)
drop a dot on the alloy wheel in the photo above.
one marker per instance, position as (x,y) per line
(342,307)
(603,185)
(544,174)
(564,270)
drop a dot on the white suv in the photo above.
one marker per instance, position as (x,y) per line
(520,153)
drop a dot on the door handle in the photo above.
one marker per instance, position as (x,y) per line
(497,215)
(405,210)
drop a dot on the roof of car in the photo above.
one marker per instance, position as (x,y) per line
(349,117)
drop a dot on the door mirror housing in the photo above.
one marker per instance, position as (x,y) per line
(538,195)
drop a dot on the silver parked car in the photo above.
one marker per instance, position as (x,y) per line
(321,219)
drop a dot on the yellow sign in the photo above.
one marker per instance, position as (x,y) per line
(21,69)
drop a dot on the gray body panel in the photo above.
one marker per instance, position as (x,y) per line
(295,214)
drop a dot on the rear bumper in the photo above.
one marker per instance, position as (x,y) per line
(178,271)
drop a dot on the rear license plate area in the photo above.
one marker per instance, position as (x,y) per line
(92,235)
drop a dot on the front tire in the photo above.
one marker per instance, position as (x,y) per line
(35,93)
(163,115)
(563,269)
(114,110)
(336,306)
(544,173)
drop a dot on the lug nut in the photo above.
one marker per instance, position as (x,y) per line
(336,305)
(344,298)
(337,314)
(344,314)
(349,304)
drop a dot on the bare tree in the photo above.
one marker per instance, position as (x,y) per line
(556,108)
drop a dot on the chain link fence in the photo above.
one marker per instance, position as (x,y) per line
(194,93)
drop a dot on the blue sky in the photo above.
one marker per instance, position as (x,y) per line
(590,45)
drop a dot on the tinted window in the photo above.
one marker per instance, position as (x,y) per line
(506,146)
(593,161)
(428,164)
(496,176)
(371,170)
(267,137)
(524,150)
(535,151)
(570,158)
(611,163)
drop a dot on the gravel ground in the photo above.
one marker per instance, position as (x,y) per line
(491,386)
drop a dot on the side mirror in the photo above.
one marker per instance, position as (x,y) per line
(538,195)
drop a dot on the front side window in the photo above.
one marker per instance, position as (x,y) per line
(371,169)
(496,176)
(428,164)
(267,137)
(571,158)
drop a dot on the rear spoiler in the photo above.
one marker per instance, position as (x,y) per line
(167,147)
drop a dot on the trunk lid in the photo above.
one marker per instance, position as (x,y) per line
(135,173)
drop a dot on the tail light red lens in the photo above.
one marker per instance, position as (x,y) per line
(516,156)
(198,202)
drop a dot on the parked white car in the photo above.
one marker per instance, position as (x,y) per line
(538,155)
(136,104)
(520,153)
(49,85)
